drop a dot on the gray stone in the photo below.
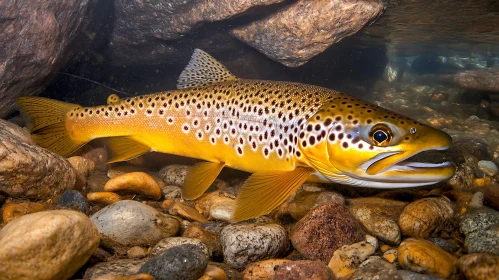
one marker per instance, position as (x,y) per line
(483,241)
(180,262)
(171,242)
(486,79)
(376,269)
(38,38)
(301,30)
(74,200)
(245,243)
(174,174)
(410,275)
(28,171)
(116,267)
(132,223)
(488,167)
(477,219)
(171,192)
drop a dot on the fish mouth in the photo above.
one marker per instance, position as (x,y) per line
(395,169)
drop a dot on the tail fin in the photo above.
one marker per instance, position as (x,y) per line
(46,121)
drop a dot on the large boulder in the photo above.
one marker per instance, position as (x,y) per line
(38,38)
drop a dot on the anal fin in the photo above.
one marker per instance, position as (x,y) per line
(264,191)
(200,177)
(125,148)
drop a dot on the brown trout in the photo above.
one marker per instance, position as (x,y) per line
(284,133)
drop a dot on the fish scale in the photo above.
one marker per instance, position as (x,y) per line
(284,133)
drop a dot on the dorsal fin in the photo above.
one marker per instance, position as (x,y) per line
(203,70)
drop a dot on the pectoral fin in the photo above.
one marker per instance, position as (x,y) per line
(200,177)
(264,191)
(125,148)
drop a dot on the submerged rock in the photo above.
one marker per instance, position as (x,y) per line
(303,269)
(131,223)
(325,229)
(376,269)
(347,258)
(46,245)
(17,210)
(245,243)
(185,261)
(301,30)
(423,256)
(74,200)
(486,79)
(263,269)
(479,266)
(37,39)
(28,171)
(115,267)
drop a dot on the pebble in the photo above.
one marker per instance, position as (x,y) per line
(348,257)
(303,269)
(96,182)
(476,200)
(46,245)
(218,206)
(139,183)
(73,199)
(209,238)
(262,269)
(185,261)
(410,275)
(488,167)
(99,156)
(136,252)
(376,268)
(379,216)
(115,267)
(213,272)
(83,166)
(422,256)
(479,266)
(426,216)
(390,255)
(171,242)
(132,223)
(245,242)
(478,220)
(486,241)
(232,274)
(449,245)
(103,198)
(171,192)
(303,201)
(142,276)
(186,212)
(491,196)
(174,174)
(14,211)
(324,229)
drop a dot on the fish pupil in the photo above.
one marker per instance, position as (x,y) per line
(380,136)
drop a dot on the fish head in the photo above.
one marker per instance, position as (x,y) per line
(353,142)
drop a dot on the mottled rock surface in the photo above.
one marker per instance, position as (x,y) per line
(114,267)
(487,79)
(303,29)
(46,245)
(28,171)
(131,223)
(324,229)
(245,243)
(262,269)
(348,257)
(49,31)
(376,269)
(479,266)
(303,269)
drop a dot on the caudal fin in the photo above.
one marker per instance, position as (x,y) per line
(46,121)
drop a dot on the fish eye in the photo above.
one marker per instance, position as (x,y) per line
(380,135)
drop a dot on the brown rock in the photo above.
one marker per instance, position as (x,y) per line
(379,216)
(491,196)
(486,79)
(424,256)
(99,157)
(114,267)
(479,266)
(28,171)
(38,38)
(14,211)
(141,276)
(209,238)
(83,166)
(262,269)
(324,229)
(138,183)
(423,217)
(303,269)
(46,245)
(301,30)
(103,198)
(97,181)
(136,252)
(347,258)
(213,272)
(186,212)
